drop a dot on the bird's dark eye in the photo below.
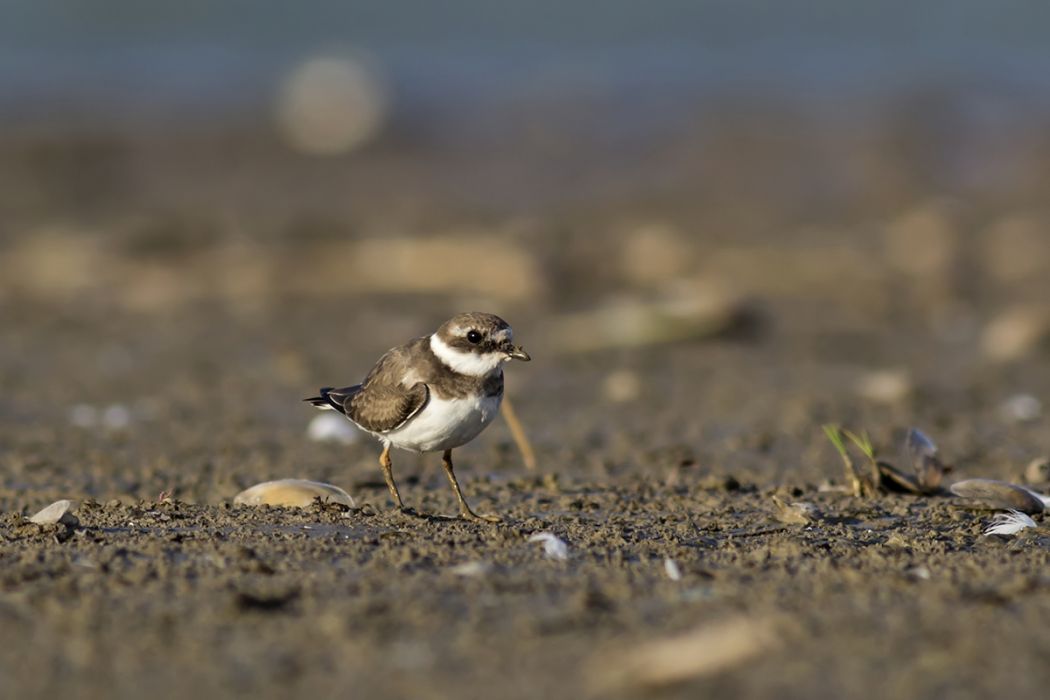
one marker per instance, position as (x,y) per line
(474,337)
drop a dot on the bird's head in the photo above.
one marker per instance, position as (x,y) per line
(476,343)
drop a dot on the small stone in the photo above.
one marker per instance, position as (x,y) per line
(923,241)
(655,252)
(1037,471)
(1021,408)
(897,541)
(472,569)
(919,572)
(116,417)
(57,512)
(1016,333)
(332,427)
(83,415)
(332,104)
(672,569)
(797,513)
(887,386)
(295,493)
(622,386)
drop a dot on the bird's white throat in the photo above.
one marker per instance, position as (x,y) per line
(470,363)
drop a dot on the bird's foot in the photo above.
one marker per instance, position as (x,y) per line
(475,518)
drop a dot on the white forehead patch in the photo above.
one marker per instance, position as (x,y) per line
(470,363)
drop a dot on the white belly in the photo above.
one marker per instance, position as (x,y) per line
(444,424)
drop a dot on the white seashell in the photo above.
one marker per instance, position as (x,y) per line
(296,493)
(999,495)
(918,572)
(57,512)
(1010,523)
(886,386)
(553,546)
(471,569)
(1021,408)
(714,648)
(83,415)
(671,569)
(116,417)
(332,427)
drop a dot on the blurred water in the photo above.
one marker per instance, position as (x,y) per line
(110,56)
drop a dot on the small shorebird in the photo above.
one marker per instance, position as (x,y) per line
(434,393)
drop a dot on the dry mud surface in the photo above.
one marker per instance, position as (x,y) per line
(154,388)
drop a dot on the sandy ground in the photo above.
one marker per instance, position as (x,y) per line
(198,296)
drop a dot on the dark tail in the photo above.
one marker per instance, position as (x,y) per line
(331,399)
(323,400)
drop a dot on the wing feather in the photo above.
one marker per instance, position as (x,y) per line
(382,402)
(382,408)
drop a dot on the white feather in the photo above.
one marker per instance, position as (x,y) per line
(553,546)
(1010,523)
(470,363)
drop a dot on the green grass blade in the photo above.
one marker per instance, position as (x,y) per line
(863,443)
(834,434)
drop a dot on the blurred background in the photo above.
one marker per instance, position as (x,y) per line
(744,217)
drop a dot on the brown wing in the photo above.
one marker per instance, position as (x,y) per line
(382,408)
(383,402)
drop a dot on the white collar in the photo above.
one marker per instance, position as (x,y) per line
(469,363)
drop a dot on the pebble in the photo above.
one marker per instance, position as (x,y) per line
(923,241)
(1016,333)
(886,386)
(655,252)
(116,417)
(113,417)
(622,386)
(83,415)
(1021,408)
(332,104)
(918,572)
(471,569)
(1037,471)
(331,426)
(795,513)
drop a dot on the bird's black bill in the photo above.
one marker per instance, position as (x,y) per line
(518,353)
